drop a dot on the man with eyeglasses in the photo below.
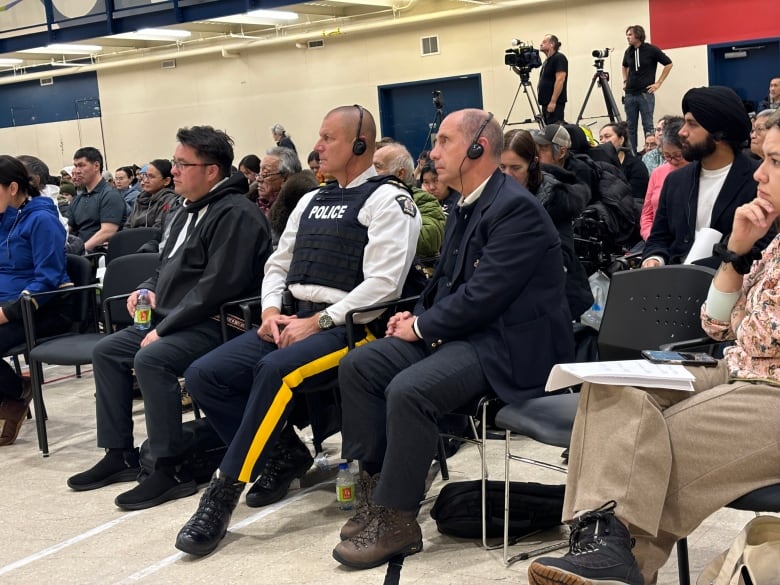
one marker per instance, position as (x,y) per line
(346,245)
(704,194)
(215,252)
(278,164)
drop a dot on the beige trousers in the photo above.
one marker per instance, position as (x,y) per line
(670,459)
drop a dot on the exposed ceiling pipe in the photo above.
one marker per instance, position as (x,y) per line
(232,48)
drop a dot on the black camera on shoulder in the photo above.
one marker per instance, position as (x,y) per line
(522,55)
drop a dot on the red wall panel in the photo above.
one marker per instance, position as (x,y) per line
(684,23)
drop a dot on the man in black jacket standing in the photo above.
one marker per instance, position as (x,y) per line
(706,193)
(215,252)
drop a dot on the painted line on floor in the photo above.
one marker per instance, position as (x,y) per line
(65,544)
(267,511)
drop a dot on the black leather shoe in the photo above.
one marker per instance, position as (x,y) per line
(289,460)
(208,525)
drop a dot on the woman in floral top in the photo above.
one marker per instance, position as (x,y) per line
(648,466)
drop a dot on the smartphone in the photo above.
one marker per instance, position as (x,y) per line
(684,358)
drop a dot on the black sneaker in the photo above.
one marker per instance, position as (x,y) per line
(289,460)
(116,466)
(208,525)
(163,485)
(599,552)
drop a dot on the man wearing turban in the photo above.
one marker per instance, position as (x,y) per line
(704,194)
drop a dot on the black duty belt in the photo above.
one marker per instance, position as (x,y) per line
(308,306)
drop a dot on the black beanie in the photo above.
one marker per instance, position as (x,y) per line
(719,110)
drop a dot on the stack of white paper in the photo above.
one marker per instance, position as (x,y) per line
(621,373)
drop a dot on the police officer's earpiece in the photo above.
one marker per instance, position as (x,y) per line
(359,146)
(476,150)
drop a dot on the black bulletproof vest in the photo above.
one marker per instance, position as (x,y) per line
(331,241)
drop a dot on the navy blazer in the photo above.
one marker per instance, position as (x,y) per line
(674,226)
(507,293)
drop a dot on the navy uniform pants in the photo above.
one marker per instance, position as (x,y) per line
(246,387)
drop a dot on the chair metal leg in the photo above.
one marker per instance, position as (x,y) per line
(445,472)
(484,474)
(78,371)
(507,459)
(683,568)
(36,378)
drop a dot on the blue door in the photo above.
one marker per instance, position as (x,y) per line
(746,66)
(406,110)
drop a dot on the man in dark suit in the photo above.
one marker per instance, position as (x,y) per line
(706,193)
(494,317)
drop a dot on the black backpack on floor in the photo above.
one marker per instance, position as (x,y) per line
(532,507)
(204,451)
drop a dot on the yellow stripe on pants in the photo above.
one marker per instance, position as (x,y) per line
(282,399)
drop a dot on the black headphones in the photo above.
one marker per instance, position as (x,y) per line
(359,146)
(476,150)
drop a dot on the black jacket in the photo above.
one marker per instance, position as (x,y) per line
(674,225)
(222,259)
(564,198)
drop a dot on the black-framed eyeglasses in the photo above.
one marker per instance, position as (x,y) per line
(670,157)
(268,175)
(177,164)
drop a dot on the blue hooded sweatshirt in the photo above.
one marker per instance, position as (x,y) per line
(32,252)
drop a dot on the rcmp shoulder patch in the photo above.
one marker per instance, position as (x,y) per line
(407,205)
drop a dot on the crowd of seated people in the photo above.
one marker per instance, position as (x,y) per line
(299,214)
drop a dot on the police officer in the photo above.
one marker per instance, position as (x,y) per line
(346,245)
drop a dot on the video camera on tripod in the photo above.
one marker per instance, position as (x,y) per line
(521,58)
(601,78)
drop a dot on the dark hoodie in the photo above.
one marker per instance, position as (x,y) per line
(150,208)
(221,259)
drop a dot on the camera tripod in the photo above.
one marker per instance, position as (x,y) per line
(533,102)
(602,78)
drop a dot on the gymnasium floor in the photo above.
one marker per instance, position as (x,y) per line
(52,535)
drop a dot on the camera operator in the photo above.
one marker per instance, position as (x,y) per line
(552,80)
(640,62)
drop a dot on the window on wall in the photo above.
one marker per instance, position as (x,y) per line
(429,45)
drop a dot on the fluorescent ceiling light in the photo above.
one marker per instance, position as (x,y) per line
(8,62)
(64,49)
(273,14)
(155,34)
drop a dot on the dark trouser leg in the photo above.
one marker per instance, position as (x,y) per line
(11,335)
(646,109)
(556,116)
(112,363)
(220,381)
(276,377)
(424,388)
(632,105)
(158,367)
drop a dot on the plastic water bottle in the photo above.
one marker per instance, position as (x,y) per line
(345,487)
(143,311)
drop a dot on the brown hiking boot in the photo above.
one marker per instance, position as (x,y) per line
(388,533)
(363,507)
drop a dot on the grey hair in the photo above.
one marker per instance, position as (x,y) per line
(556,150)
(277,129)
(765,113)
(288,160)
(401,158)
(35,167)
